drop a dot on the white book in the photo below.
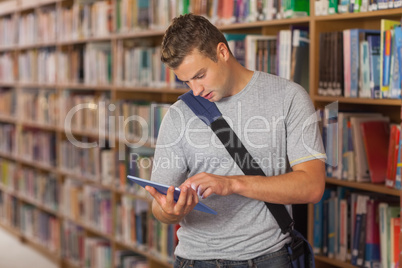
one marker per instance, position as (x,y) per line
(251,49)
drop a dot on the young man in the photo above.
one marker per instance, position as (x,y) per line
(276,122)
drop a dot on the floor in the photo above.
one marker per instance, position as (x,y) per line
(14,254)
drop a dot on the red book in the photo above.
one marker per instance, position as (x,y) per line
(392,156)
(376,143)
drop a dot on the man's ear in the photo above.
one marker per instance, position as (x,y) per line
(223,51)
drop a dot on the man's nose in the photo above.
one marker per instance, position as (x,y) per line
(196,87)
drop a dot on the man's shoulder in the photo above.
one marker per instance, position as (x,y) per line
(274,84)
(178,110)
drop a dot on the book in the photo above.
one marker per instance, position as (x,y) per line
(385,55)
(362,170)
(395,227)
(161,188)
(374,42)
(386,213)
(356,37)
(299,72)
(395,69)
(251,49)
(372,249)
(392,159)
(319,222)
(359,238)
(364,76)
(376,143)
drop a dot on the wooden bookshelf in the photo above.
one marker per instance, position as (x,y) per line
(162,94)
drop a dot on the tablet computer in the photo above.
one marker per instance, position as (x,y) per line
(163,190)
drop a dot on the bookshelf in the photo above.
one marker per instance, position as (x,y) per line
(64,78)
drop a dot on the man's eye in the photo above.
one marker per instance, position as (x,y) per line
(199,77)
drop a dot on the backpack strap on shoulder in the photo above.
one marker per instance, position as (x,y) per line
(203,108)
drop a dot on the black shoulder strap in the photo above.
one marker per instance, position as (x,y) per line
(210,115)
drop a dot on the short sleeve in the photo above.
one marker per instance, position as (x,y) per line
(303,140)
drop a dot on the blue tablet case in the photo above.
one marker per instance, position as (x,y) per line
(163,190)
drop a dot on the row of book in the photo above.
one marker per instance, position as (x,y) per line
(40,227)
(87,204)
(84,19)
(7,139)
(362,63)
(360,147)
(39,65)
(139,64)
(9,210)
(328,7)
(285,54)
(7,102)
(80,161)
(85,111)
(36,145)
(83,251)
(38,187)
(355,226)
(134,226)
(136,162)
(142,120)
(41,188)
(35,224)
(108,167)
(8,31)
(7,68)
(8,171)
(48,231)
(38,106)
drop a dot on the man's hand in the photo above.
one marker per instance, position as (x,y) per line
(171,211)
(207,184)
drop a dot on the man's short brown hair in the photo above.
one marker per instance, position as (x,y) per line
(189,32)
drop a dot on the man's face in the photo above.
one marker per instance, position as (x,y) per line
(204,76)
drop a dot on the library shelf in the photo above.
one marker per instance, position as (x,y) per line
(160,260)
(10,229)
(165,90)
(36,45)
(53,256)
(37,204)
(8,48)
(8,156)
(262,24)
(368,101)
(84,40)
(41,126)
(36,164)
(8,84)
(366,186)
(360,15)
(8,119)
(35,85)
(138,34)
(85,86)
(333,262)
(95,181)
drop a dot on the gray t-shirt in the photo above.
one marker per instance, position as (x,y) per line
(277,123)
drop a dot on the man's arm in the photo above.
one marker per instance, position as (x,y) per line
(166,210)
(305,184)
